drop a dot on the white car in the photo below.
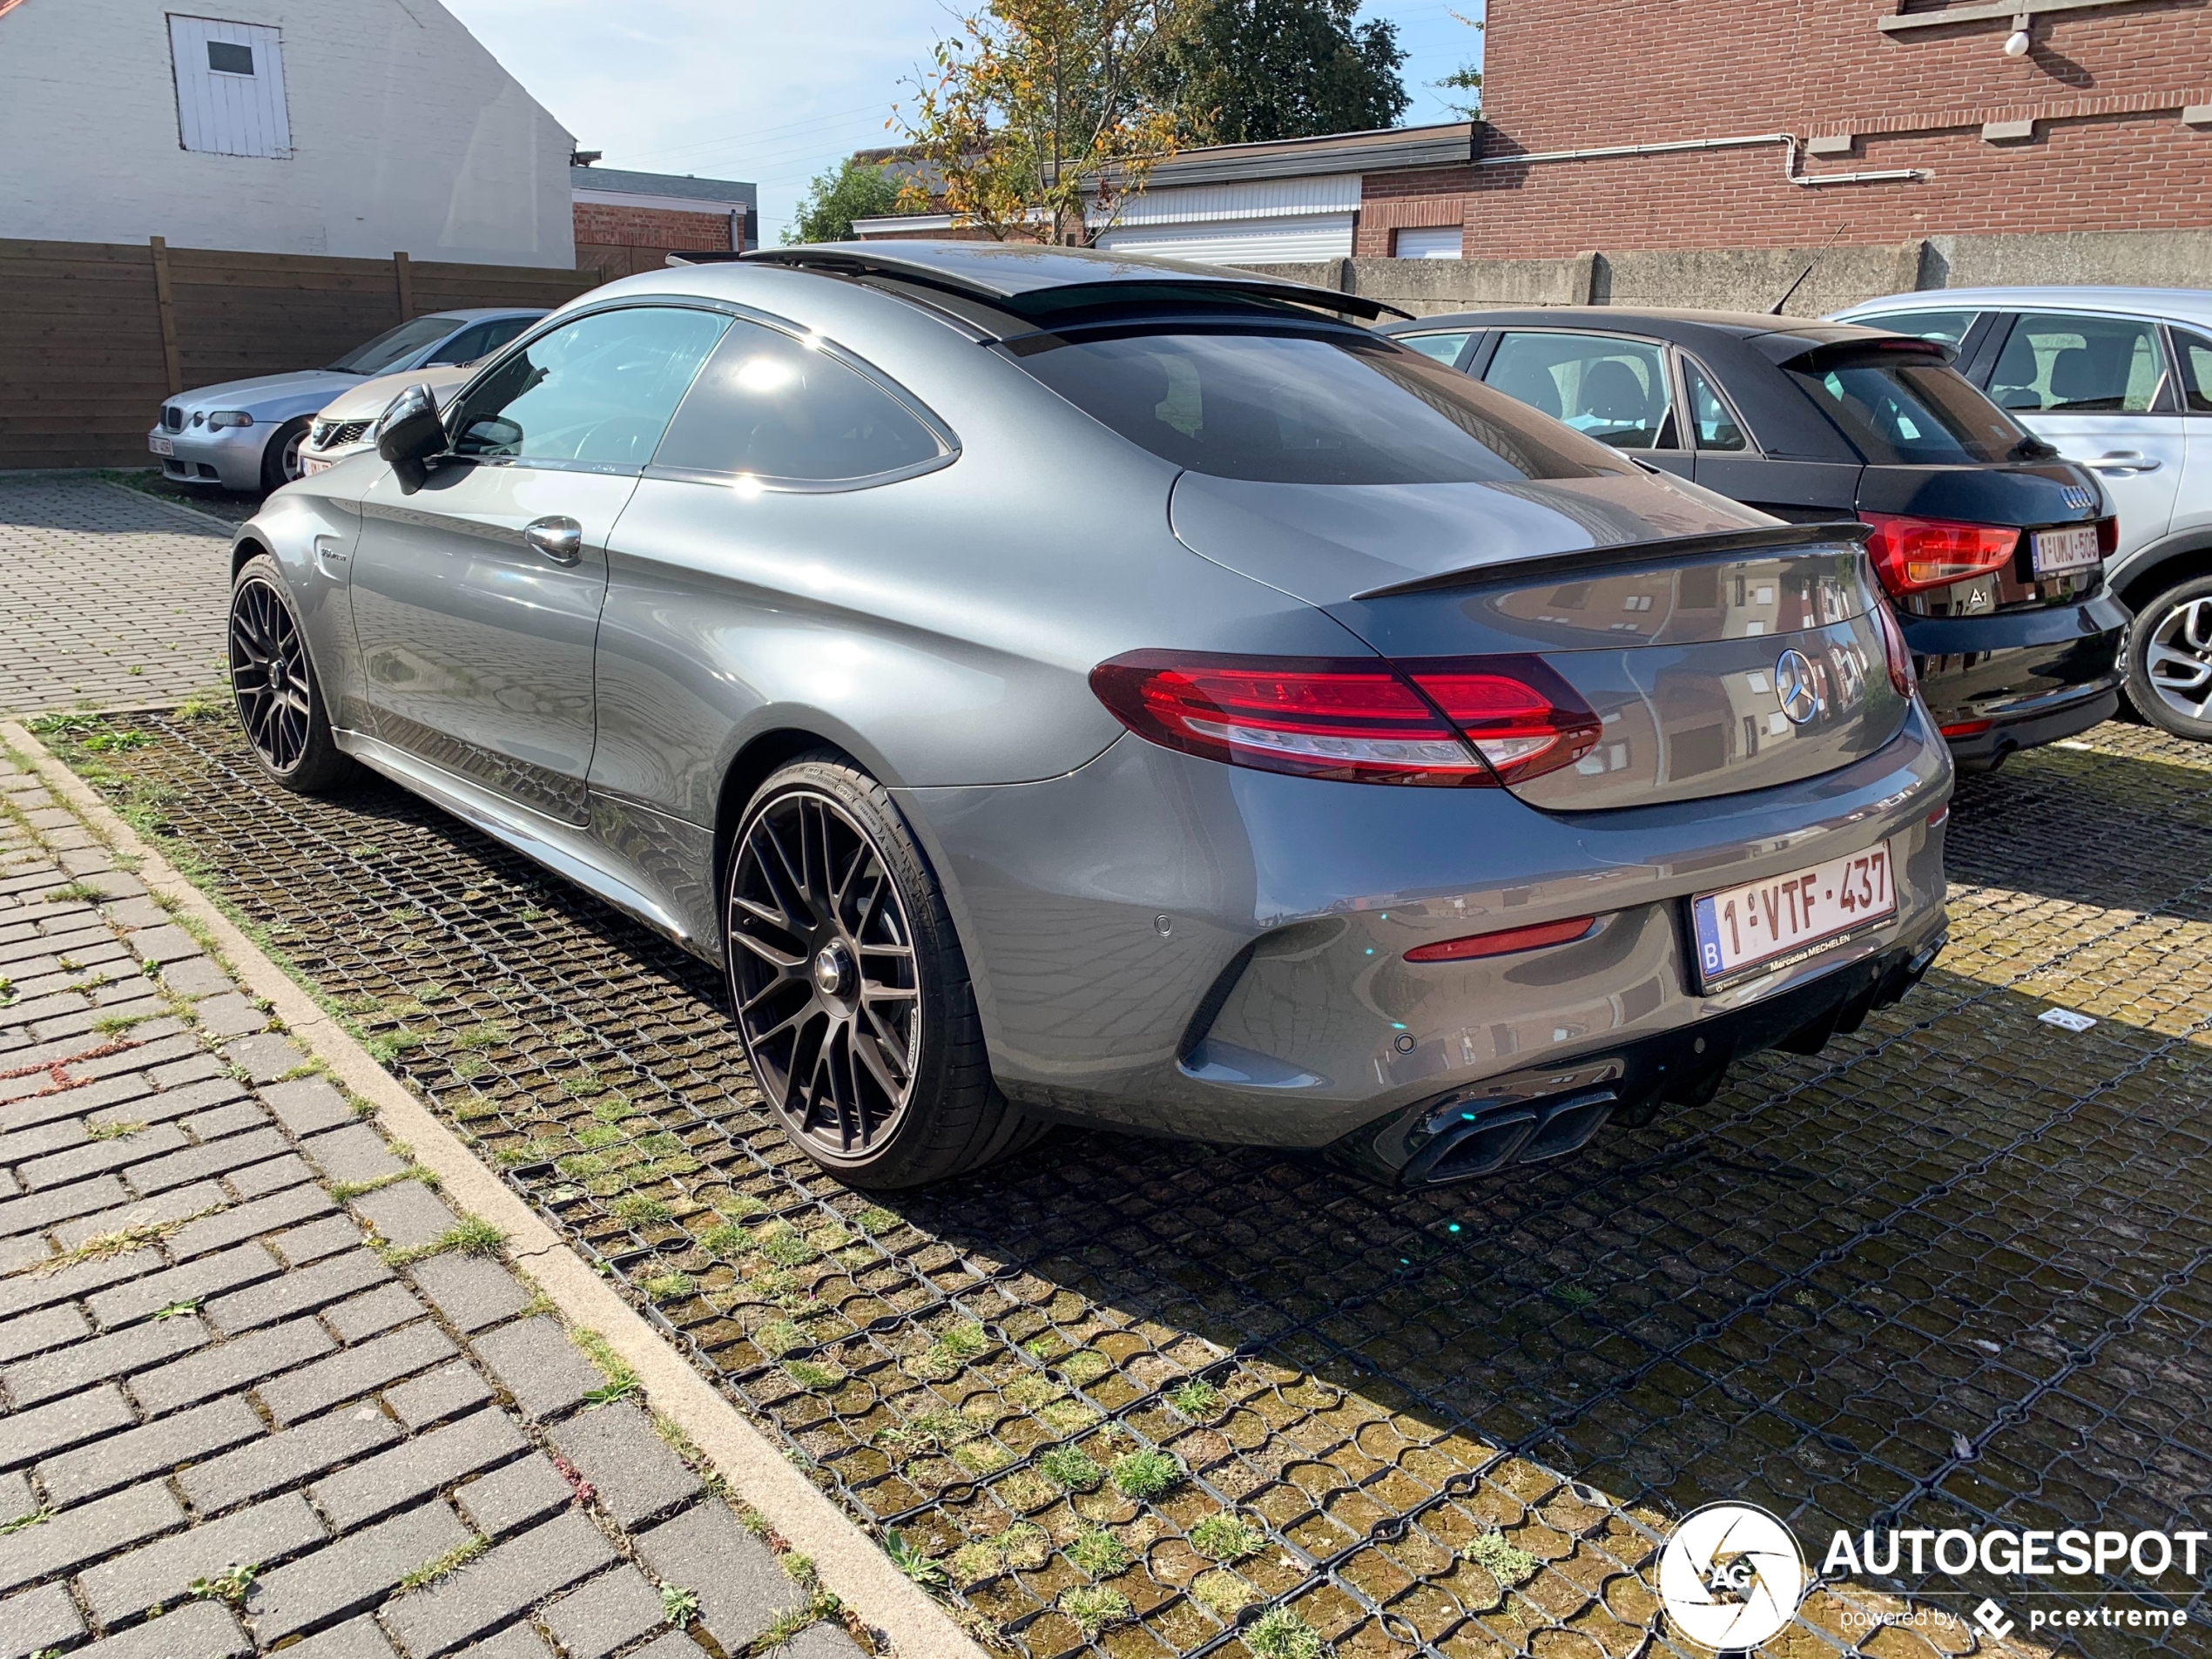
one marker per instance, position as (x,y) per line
(347,425)
(247,434)
(2121,380)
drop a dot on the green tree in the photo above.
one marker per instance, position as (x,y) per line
(1247,70)
(1468,78)
(839,195)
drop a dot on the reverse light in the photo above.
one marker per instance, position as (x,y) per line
(230,417)
(1450,721)
(1505,941)
(1911,553)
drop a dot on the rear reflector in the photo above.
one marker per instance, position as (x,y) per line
(1472,721)
(1505,941)
(1966,729)
(1910,554)
(1937,817)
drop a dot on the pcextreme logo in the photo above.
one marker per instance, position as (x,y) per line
(1730,1577)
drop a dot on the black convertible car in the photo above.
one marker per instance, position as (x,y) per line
(1990,548)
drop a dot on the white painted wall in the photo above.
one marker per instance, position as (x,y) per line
(406,134)
(1259,222)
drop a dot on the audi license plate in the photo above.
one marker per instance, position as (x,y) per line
(2065,549)
(1784,919)
(161,446)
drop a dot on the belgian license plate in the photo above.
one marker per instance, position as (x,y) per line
(309,466)
(161,446)
(2065,549)
(1785,919)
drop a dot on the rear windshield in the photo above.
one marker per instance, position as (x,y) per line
(1308,409)
(1912,415)
(395,345)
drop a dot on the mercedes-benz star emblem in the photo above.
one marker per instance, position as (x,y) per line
(1795,687)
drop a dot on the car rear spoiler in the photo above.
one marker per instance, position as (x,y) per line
(1632,555)
(1838,353)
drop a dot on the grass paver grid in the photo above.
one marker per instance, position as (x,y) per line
(225,1420)
(1926,1275)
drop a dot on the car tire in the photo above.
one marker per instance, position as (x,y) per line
(273,686)
(280,456)
(2169,660)
(851,990)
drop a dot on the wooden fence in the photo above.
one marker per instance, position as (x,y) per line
(94,335)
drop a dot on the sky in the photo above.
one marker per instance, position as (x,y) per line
(774,93)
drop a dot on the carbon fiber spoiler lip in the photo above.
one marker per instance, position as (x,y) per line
(1616,555)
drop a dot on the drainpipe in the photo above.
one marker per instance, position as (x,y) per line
(1681,147)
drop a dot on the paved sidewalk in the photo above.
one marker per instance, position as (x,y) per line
(261,1382)
(112,599)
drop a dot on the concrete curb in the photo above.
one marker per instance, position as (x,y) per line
(850,1562)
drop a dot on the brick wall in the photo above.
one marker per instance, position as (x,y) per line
(607,225)
(2104,88)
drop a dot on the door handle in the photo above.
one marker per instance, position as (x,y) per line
(559,539)
(2125,461)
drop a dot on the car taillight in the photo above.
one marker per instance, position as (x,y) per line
(1910,554)
(1895,652)
(1474,722)
(2107,537)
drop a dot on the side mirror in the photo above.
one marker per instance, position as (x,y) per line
(410,433)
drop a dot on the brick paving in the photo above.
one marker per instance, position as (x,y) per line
(260,1385)
(111,600)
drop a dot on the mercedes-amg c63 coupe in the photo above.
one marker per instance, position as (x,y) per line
(1059,686)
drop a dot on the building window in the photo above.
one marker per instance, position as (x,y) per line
(230,87)
(1440,242)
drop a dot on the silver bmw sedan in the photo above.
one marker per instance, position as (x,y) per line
(1068,687)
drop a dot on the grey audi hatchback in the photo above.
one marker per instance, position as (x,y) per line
(1066,687)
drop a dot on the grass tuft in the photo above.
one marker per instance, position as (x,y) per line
(113,1131)
(911,1561)
(1227,1538)
(1093,1607)
(1197,1399)
(1099,1554)
(1504,1560)
(1280,1634)
(1068,1467)
(1144,1475)
(679,1606)
(229,1585)
(430,1572)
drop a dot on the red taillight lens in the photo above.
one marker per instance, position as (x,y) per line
(1895,652)
(2107,537)
(1910,554)
(1505,941)
(1357,720)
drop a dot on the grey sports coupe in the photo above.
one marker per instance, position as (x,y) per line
(1062,686)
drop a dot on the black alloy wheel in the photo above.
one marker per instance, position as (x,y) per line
(273,684)
(826,975)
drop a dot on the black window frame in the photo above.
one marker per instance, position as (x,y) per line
(1675,421)
(2166,399)
(1686,360)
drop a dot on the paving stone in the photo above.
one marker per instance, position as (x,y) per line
(409,1472)
(200,1161)
(33,1435)
(161,1572)
(356,1152)
(824,1639)
(236,1364)
(608,1613)
(197,1631)
(42,1210)
(362,1638)
(194,976)
(537,1364)
(674,1645)
(307,1104)
(741,1588)
(445,1392)
(22,1252)
(270,1465)
(229,1014)
(272,1176)
(233,1119)
(515,1642)
(316,1240)
(354,1572)
(55,1137)
(472,1291)
(92,1098)
(492,1590)
(179,1204)
(615,1448)
(139,1349)
(119,1459)
(186,1100)
(357,1371)
(520,1495)
(37,1620)
(264,1058)
(406,1214)
(300,1292)
(88,1532)
(362,1317)
(193,1282)
(248,1221)
(167,943)
(190,1065)
(32,1333)
(99,1158)
(16,1499)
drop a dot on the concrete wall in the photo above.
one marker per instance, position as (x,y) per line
(406,136)
(1753,278)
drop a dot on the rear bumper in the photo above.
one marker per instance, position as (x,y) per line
(2026,673)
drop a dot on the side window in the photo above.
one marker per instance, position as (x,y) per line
(769,406)
(599,391)
(1949,327)
(481,341)
(2078,365)
(2195,352)
(1612,390)
(1445,348)
(1716,423)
